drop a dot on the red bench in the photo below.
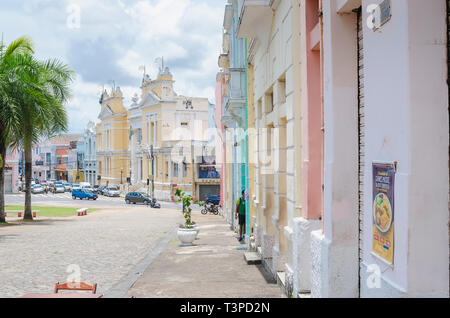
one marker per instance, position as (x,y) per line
(19,213)
(82,212)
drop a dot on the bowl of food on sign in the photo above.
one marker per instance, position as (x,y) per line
(382,213)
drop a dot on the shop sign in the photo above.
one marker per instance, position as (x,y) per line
(383,211)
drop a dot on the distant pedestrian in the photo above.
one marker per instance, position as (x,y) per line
(240,211)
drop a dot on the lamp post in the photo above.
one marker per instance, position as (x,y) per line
(121,174)
(151,178)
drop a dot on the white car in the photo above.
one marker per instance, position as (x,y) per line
(59,189)
(112,192)
(37,189)
(76,186)
(88,188)
(68,187)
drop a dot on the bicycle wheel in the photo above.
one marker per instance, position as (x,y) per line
(204,211)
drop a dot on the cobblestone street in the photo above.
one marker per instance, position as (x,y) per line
(106,245)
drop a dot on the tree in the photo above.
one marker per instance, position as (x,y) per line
(11,79)
(41,111)
(32,94)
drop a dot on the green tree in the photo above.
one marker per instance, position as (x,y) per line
(12,77)
(42,112)
(32,97)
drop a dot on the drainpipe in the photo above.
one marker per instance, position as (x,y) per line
(247,174)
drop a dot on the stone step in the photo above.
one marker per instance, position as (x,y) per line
(281,279)
(252,258)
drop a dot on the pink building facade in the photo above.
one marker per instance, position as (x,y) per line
(11,171)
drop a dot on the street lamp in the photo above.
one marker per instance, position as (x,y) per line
(121,173)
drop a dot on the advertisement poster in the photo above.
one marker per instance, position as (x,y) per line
(383,211)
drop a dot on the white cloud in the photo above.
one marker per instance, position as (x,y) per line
(116,37)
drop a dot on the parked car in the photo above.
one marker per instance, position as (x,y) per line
(88,188)
(99,189)
(213,199)
(22,185)
(136,197)
(83,194)
(67,186)
(37,188)
(58,188)
(76,186)
(112,191)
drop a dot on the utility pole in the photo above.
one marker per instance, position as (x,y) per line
(152,157)
(193,169)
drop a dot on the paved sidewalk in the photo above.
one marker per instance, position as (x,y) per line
(213,268)
(103,247)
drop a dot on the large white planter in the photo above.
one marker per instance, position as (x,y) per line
(197,229)
(187,236)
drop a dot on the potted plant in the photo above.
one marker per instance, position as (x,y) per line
(187,232)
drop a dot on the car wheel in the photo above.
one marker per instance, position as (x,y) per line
(127,201)
(74,197)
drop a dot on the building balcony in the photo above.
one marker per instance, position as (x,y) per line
(234,112)
(255,19)
(236,83)
(224,61)
(228,17)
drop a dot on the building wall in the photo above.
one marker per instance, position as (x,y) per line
(406,121)
(11,163)
(277,110)
(112,139)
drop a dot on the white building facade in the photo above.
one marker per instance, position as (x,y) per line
(90,157)
(385,101)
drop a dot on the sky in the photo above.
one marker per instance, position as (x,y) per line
(109,40)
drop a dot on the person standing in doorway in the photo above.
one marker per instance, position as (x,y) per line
(240,211)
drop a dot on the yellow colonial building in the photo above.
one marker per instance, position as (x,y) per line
(112,139)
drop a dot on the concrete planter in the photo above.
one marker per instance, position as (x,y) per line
(187,236)
(197,229)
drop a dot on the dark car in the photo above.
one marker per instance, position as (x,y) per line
(99,189)
(214,199)
(136,197)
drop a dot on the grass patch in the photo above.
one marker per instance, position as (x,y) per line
(50,211)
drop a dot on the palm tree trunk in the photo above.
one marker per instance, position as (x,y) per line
(2,182)
(28,174)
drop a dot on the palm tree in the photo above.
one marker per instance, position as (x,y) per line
(42,111)
(11,79)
